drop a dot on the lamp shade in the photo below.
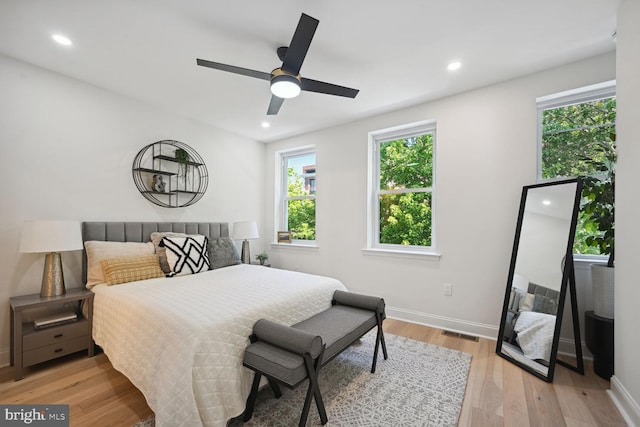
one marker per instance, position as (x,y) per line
(50,236)
(245,230)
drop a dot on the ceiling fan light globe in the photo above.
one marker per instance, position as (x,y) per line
(285,86)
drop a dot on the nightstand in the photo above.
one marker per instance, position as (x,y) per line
(264,265)
(30,346)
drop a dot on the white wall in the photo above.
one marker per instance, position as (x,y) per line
(625,383)
(542,247)
(66,153)
(486,152)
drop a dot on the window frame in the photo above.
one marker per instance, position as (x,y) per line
(575,96)
(376,138)
(562,99)
(282,194)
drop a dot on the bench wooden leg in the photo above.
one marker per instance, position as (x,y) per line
(379,340)
(384,347)
(251,400)
(313,392)
(275,387)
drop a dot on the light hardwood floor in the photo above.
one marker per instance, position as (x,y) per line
(498,393)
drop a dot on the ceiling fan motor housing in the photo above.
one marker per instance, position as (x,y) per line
(284,84)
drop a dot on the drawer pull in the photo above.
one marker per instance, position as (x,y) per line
(58,335)
(58,350)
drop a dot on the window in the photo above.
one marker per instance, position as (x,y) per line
(401,188)
(297,202)
(575,129)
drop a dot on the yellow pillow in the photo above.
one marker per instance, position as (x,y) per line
(123,270)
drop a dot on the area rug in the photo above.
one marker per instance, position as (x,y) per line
(419,385)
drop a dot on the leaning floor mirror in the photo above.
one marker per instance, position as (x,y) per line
(541,275)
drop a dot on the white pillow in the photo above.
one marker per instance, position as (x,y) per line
(526,302)
(186,255)
(97,251)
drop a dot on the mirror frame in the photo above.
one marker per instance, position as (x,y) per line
(568,280)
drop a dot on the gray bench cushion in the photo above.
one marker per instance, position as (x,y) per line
(338,326)
(281,364)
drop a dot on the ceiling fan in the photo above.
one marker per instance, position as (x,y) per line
(286,81)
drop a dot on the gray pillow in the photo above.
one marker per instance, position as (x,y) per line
(514,299)
(223,253)
(544,304)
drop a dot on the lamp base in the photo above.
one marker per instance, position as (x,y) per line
(52,277)
(246,257)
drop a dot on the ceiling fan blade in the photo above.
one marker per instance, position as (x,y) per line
(299,45)
(234,69)
(274,105)
(330,89)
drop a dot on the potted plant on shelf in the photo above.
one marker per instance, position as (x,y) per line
(182,156)
(598,193)
(262,257)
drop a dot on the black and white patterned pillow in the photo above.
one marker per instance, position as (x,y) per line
(186,255)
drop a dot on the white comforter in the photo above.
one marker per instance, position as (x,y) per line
(181,340)
(535,334)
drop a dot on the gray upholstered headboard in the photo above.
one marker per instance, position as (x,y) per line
(140,232)
(541,290)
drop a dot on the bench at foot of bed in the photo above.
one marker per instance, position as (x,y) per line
(290,355)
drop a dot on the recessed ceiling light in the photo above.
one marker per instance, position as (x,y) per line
(265,124)
(63,40)
(454,66)
(546,202)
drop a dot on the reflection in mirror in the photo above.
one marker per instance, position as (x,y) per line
(538,276)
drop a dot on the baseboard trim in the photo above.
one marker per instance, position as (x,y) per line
(442,322)
(565,347)
(628,407)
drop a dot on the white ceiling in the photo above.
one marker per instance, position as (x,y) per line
(395,52)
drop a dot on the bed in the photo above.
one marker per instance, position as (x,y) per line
(180,340)
(531,321)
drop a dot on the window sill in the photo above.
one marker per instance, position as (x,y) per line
(402,254)
(293,246)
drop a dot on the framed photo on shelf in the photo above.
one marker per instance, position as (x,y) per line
(284,237)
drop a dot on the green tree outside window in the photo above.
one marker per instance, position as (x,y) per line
(576,140)
(301,220)
(406,178)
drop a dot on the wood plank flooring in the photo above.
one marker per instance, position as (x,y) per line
(498,393)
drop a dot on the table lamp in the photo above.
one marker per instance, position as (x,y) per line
(245,230)
(51,237)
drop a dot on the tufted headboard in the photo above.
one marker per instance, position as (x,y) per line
(541,290)
(140,232)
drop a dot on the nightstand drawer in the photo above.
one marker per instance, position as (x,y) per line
(49,352)
(54,335)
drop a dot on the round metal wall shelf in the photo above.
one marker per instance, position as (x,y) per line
(170,174)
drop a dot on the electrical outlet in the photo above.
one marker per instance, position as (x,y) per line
(447,289)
